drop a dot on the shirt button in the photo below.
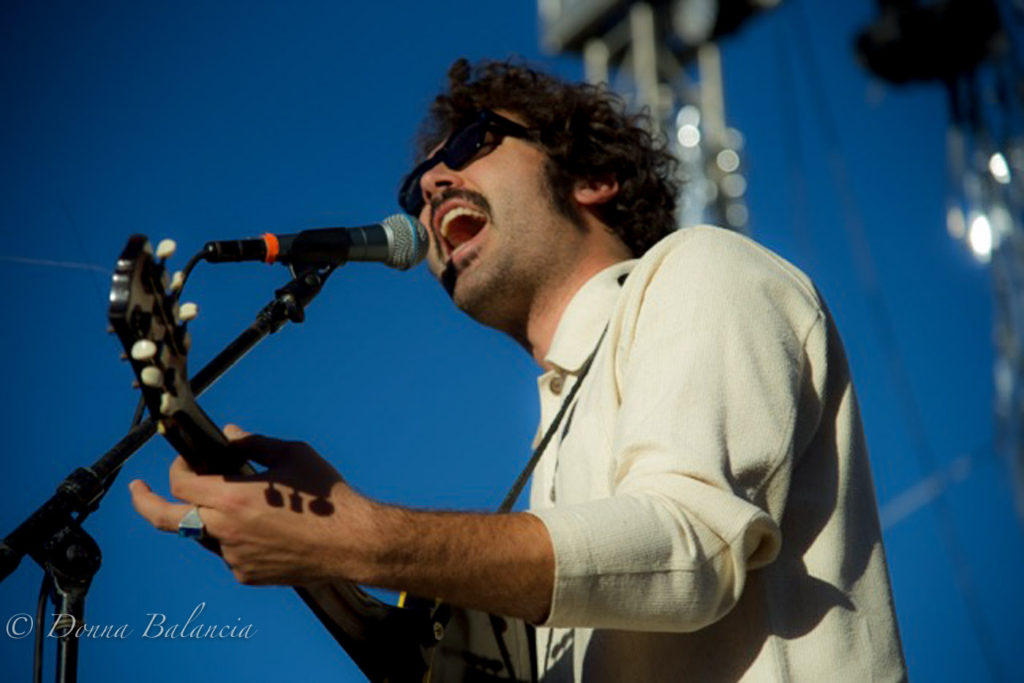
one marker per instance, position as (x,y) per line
(556,384)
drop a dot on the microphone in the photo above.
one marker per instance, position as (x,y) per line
(398,241)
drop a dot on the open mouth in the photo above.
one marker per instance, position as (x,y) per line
(459,226)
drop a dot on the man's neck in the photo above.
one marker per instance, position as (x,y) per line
(549,307)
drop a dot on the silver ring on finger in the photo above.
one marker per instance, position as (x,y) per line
(191,525)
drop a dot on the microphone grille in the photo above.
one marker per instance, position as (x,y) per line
(408,241)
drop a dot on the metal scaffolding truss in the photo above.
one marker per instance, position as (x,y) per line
(985,211)
(662,57)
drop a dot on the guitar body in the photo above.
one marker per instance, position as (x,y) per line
(481,647)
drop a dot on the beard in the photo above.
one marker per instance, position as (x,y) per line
(497,292)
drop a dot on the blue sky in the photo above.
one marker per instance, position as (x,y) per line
(201,121)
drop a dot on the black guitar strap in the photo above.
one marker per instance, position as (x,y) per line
(517,487)
(520,482)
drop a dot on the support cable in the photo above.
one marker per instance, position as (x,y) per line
(789,117)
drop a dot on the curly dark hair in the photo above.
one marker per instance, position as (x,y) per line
(587,134)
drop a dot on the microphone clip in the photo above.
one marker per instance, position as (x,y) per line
(291,300)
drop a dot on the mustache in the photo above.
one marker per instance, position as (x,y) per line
(474,198)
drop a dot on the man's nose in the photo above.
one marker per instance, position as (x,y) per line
(438,179)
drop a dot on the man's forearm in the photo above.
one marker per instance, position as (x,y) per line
(502,564)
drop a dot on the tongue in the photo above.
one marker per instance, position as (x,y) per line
(463,228)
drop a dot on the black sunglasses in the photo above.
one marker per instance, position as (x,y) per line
(458,150)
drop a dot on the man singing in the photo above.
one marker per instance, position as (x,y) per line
(703,508)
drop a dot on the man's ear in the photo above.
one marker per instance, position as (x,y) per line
(595,191)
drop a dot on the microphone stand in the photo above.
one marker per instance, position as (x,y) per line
(53,536)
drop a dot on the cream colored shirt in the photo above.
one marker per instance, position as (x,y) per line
(711,505)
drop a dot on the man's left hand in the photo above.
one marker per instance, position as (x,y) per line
(279,526)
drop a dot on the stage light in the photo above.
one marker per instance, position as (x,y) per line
(728,160)
(980,238)
(736,215)
(689,135)
(734,185)
(999,169)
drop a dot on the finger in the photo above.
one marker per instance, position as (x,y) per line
(198,489)
(181,468)
(234,432)
(216,524)
(154,509)
(260,449)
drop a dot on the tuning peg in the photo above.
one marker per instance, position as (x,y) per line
(165,249)
(135,384)
(110,329)
(143,350)
(188,311)
(123,356)
(165,403)
(186,342)
(177,281)
(160,428)
(151,376)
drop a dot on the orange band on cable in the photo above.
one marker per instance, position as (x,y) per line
(270,239)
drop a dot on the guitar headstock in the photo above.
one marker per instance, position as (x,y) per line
(153,329)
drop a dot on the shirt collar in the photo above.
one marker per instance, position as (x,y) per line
(585,318)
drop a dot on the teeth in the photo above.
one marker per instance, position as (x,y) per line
(455,213)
